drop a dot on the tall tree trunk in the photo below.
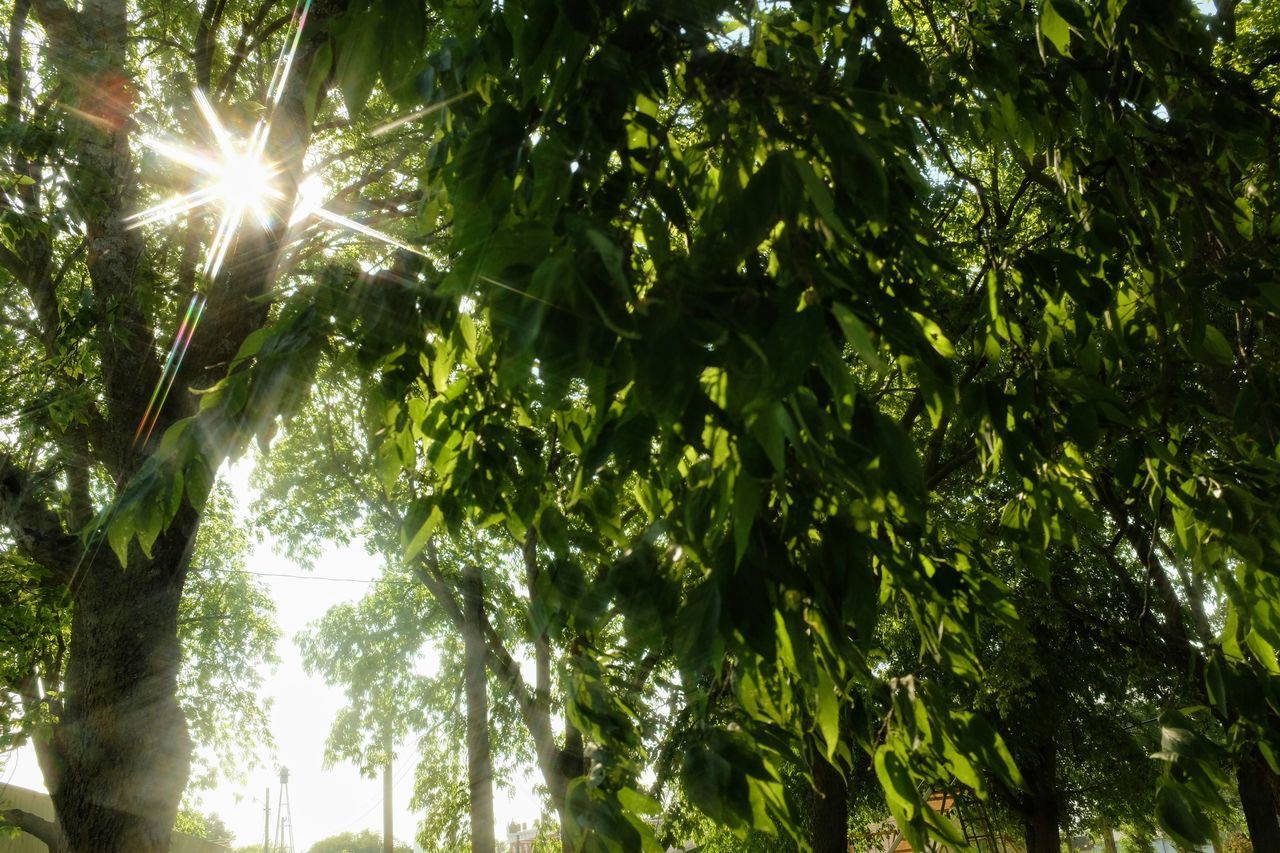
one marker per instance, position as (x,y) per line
(1041,803)
(830,806)
(475,685)
(1258,800)
(122,744)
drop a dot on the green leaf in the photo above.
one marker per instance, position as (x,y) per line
(1054,27)
(820,197)
(637,802)
(858,336)
(895,778)
(358,57)
(1186,823)
(716,787)
(423,534)
(697,639)
(746,503)
(321,69)
(1215,343)
(119,532)
(828,712)
(768,429)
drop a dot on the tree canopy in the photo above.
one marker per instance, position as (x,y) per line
(810,394)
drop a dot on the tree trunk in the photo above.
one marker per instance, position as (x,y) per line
(572,765)
(475,682)
(1108,838)
(830,807)
(1041,806)
(122,744)
(1258,802)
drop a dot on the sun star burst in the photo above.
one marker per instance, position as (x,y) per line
(238,180)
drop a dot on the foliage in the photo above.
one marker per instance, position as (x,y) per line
(788,296)
(365,841)
(890,383)
(200,825)
(781,288)
(228,636)
(228,633)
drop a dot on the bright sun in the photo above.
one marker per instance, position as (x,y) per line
(246,183)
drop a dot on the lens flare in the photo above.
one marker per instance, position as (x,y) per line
(238,180)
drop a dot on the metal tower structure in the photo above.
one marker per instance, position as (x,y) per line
(284,819)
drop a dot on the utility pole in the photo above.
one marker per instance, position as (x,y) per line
(388,843)
(266,823)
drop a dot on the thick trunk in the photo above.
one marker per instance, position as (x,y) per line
(475,684)
(1041,804)
(830,807)
(1258,800)
(122,743)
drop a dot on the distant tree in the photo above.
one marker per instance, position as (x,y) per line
(365,841)
(206,825)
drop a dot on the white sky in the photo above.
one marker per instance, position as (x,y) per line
(323,802)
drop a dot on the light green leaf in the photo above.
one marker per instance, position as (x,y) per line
(858,336)
(423,536)
(828,712)
(895,778)
(1054,27)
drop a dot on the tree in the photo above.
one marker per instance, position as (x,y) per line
(736,308)
(370,648)
(199,825)
(365,841)
(88,301)
(227,633)
(786,282)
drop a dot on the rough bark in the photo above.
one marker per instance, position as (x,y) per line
(830,800)
(122,743)
(475,685)
(1258,800)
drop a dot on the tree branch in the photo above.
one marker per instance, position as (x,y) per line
(58,19)
(45,830)
(210,18)
(250,38)
(36,528)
